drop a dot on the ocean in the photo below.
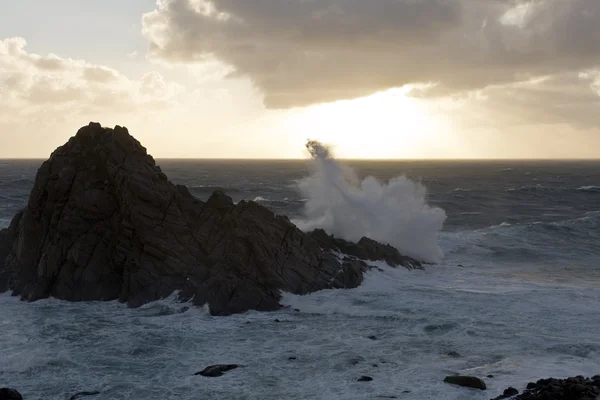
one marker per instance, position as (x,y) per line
(513,292)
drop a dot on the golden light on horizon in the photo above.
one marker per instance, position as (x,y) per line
(384,125)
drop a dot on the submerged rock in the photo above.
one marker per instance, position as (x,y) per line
(10,394)
(103,222)
(217,370)
(466,381)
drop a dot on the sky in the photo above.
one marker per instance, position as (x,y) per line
(391,79)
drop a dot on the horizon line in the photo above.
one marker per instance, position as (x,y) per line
(337,158)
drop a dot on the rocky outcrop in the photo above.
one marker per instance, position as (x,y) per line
(103,222)
(575,388)
(507,394)
(365,249)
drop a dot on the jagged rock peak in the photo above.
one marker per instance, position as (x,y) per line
(103,222)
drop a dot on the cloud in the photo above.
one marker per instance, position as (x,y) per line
(44,99)
(305,52)
(34,86)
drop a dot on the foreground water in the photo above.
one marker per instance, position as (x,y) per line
(517,297)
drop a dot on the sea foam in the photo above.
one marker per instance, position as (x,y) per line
(394,213)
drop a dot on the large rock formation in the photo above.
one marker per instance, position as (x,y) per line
(103,222)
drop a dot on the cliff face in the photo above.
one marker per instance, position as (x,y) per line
(103,223)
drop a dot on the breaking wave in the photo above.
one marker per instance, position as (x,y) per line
(395,212)
(591,188)
(542,188)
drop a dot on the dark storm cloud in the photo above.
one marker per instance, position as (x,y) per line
(301,52)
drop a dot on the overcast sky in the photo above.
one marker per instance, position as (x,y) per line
(256,78)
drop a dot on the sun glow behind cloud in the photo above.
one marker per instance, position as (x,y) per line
(384,125)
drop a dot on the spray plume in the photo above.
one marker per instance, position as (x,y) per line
(394,213)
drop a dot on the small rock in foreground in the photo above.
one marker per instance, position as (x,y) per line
(10,394)
(365,379)
(466,381)
(217,370)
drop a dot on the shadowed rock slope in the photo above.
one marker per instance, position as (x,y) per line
(103,222)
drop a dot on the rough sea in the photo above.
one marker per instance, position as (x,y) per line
(516,294)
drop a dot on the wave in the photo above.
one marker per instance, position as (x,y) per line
(591,188)
(561,241)
(395,212)
(556,189)
(17,182)
(531,188)
(588,220)
(211,188)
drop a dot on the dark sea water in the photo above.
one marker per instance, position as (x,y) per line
(517,295)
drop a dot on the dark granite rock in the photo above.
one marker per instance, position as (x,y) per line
(103,222)
(511,391)
(466,381)
(365,249)
(10,394)
(575,388)
(508,393)
(217,370)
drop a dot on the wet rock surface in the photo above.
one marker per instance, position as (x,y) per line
(365,249)
(508,393)
(103,222)
(574,388)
